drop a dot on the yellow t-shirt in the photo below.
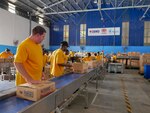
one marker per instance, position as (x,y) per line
(98,58)
(66,58)
(87,59)
(92,57)
(6,54)
(30,54)
(45,59)
(114,57)
(58,57)
(71,54)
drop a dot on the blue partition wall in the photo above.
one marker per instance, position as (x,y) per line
(12,48)
(113,18)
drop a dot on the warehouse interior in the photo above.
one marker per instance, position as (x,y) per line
(116,30)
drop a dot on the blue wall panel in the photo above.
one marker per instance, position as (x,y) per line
(12,48)
(113,18)
(136,28)
(108,49)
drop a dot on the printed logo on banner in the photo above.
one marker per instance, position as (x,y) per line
(110,31)
(104,31)
(94,31)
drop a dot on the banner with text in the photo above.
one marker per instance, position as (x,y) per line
(111,31)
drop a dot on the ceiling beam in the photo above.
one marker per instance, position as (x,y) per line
(144,13)
(54,4)
(90,10)
(51,9)
(138,2)
(64,7)
(121,3)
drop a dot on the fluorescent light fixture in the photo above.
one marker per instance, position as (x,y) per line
(95,1)
(41,21)
(41,15)
(11,8)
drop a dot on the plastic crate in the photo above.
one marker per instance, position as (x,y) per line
(116,67)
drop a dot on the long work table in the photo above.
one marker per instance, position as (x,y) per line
(65,86)
(126,58)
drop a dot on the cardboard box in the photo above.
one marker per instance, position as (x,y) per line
(47,72)
(133,53)
(133,63)
(35,92)
(92,64)
(68,70)
(2,60)
(99,63)
(80,67)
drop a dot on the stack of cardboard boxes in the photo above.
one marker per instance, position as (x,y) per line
(134,63)
(144,59)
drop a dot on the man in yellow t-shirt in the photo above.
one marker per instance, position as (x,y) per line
(71,55)
(58,60)
(45,57)
(87,58)
(98,57)
(29,58)
(6,54)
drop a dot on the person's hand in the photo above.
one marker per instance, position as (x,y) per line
(43,76)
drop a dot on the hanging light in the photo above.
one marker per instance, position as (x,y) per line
(95,1)
(11,8)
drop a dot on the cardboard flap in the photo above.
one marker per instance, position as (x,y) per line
(31,85)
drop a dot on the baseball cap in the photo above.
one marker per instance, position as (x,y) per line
(64,43)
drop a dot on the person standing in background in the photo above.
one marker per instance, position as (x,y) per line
(98,57)
(87,58)
(6,54)
(29,58)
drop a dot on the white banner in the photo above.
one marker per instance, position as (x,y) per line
(111,31)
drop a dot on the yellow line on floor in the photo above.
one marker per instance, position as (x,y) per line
(126,99)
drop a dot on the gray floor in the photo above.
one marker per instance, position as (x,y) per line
(115,93)
(6,85)
(7,88)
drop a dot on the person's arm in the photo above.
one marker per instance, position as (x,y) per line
(60,60)
(20,68)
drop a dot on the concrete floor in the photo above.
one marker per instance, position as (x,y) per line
(7,88)
(118,93)
(6,85)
